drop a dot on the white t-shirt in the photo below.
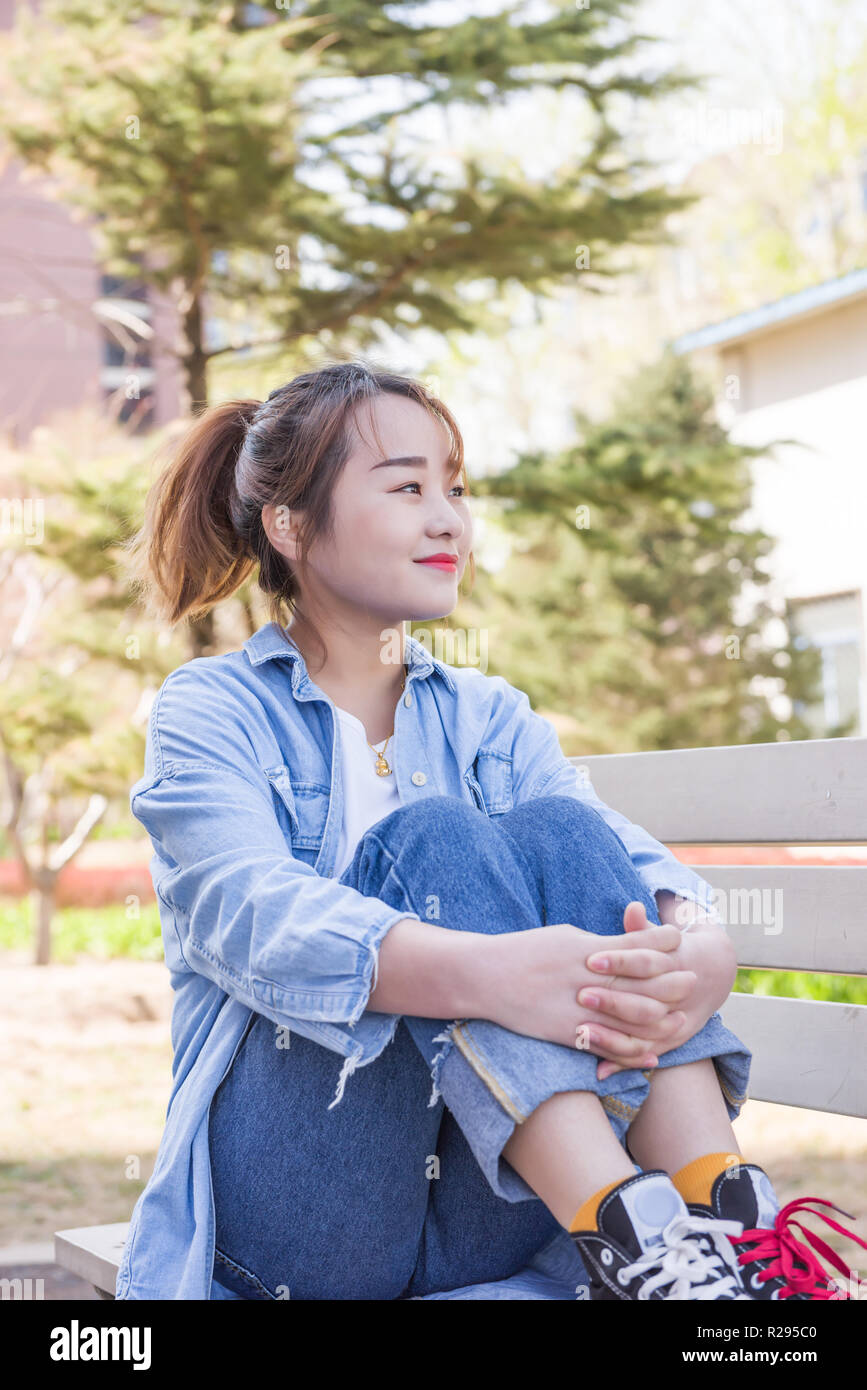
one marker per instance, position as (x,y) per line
(367,796)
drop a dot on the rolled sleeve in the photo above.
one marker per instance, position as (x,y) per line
(694,888)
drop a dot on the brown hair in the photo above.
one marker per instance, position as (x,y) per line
(203,534)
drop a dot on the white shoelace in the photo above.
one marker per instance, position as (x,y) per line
(682,1263)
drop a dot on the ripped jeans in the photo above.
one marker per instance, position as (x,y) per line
(401,1190)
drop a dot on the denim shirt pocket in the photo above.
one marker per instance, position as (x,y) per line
(302,807)
(490,781)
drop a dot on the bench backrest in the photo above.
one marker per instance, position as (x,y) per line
(806,1052)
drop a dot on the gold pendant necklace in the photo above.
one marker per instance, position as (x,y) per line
(382,767)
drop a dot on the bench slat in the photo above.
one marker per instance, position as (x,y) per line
(805,1052)
(92,1252)
(789,918)
(813,791)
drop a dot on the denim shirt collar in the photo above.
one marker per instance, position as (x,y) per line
(268,642)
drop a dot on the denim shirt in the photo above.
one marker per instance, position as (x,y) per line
(242,798)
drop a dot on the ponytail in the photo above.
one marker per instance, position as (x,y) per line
(189,553)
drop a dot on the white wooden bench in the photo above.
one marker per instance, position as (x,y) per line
(806,1053)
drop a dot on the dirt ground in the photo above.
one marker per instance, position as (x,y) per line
(85,1057)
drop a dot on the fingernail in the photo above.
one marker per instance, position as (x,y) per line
(599,962)
(589,998)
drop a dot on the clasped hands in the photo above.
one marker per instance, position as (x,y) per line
(655,984)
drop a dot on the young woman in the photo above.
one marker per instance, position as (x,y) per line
(379,869)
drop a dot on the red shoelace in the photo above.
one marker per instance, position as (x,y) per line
(790,1259)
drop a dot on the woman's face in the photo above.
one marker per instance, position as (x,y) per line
(388,518)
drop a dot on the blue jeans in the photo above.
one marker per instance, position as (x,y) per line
(401,1190)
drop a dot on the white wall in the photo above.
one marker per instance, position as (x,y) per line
(808,382)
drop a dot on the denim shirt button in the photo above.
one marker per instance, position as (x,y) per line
(419,779)
(407,699)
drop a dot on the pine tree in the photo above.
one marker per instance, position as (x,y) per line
(209,154)
(644,610)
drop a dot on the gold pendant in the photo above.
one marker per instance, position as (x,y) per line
(382,766)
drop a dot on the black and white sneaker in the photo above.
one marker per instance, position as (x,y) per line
(772,1263)
(649,1245)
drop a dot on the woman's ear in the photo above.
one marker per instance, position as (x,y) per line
(281,527)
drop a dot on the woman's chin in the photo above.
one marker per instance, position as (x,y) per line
(433,607)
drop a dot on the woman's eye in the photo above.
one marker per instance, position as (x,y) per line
(459,487)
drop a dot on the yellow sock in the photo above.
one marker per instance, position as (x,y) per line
(695,1180)
(585,1216)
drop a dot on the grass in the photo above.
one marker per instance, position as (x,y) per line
(96,933)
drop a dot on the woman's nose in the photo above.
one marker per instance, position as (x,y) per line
(446,522)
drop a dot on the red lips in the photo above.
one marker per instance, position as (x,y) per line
(443,559)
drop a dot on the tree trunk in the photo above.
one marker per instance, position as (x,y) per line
(193,359)
(203,634)
(202,630)
(44,899)
(249,616)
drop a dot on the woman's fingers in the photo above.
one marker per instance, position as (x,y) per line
(660,993)
(606,1068)
(640,964)
(660,936)
(635,917)
(623,1004)
(611,1043)
(650,1015)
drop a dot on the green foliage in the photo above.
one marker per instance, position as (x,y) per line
(73,702)
(208,153)
(791,984)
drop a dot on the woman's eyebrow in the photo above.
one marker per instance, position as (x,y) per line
(410,461)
